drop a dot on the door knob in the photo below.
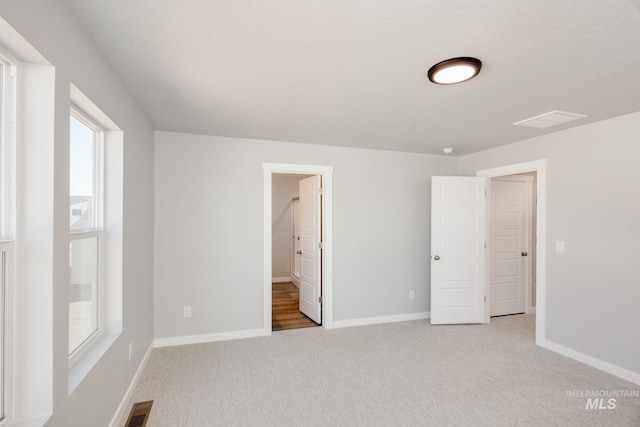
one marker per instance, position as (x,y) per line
(437,257)
(524,253)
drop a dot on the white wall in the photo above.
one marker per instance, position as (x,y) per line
(284,188)
(211,258)
(593,200)
(48,27)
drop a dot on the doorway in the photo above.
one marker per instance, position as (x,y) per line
(296,263)
(322,244)
(538,167)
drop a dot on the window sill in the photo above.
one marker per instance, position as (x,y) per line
(31,422)
(81,367)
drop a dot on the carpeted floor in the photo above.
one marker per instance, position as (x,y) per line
(398,374)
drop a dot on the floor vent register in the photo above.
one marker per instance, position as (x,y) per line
(139,414)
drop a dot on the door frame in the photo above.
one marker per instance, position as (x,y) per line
(540,167)
(326,172)
(294,279)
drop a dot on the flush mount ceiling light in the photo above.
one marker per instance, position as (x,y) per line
(447,150)
(454,70)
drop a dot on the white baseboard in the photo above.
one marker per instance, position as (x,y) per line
(204,338)
(280,279)
(607,367)
(530,310)
(380,319)
(295,281)
(134,382)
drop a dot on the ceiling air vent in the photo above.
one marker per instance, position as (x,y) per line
(546,120)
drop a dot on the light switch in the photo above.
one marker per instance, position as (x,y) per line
(560,246)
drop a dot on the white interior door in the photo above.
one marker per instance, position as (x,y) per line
(458,230)
(510,245)
(310,262)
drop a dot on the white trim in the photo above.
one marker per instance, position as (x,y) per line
(8,148)
(381,319)
(514,169)
(607,367)
(7,287)
(514,178)
(37,244)
(327,236)
(115,421)
(540,167)
(530,310)
(38,421)
(292,241)
(281,279)
(204,338)
(267,255)
(295,281)
(8,207)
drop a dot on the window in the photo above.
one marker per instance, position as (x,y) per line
(85,224)
(7,110)
(96,153)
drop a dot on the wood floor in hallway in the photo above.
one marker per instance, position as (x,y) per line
(285,313)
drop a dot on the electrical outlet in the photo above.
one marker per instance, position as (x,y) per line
(560,246)
(187,311)
(412,294)
(130,350)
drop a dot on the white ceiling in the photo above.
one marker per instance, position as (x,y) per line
(353,72)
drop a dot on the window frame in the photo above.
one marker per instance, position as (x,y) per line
(98,166)
(96,231)
(7,147)
(6,291)
(8,91)
(112,239)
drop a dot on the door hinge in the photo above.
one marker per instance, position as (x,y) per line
(320,191)
(320,299)
(485,193)
(485,245)
(485,298)
(320,245)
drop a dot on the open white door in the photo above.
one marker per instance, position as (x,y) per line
(458,237)
(310,267)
